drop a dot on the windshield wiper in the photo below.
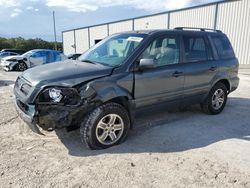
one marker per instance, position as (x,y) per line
(88,61)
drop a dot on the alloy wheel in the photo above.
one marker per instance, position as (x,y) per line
(21,66)
(218,99)
(109,129)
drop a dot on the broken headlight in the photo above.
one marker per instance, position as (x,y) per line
(65,96)
(55,94)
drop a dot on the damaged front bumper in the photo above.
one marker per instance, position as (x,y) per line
(50,117)
(29,116)
(7,66)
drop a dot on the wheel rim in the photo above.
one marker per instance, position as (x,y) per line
(21,66)
(218,99)
(109,129)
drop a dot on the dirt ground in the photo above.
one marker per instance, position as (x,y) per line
(176,149)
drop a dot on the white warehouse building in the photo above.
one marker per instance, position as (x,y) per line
(232,17)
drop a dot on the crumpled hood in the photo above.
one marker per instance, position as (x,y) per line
(16,57)
(5,61)
(67,73)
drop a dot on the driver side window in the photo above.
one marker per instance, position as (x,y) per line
(38,55)
(164,51)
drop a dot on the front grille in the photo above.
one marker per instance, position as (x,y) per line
(22,86)
(22,106)
(25,89)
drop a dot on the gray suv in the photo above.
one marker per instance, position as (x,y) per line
(123,74)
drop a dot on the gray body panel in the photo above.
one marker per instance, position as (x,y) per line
(159,85)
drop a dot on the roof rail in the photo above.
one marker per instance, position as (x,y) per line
(196,28)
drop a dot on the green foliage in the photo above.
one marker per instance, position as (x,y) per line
(29,44)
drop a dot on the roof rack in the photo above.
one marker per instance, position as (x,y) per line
(201,29)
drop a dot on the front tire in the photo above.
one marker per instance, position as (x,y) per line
(106,126)
(21,66)
(216,100)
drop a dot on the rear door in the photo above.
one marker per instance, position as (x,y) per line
(200,66)
(38,58)
(165,82)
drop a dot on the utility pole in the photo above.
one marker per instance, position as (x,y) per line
(54,22)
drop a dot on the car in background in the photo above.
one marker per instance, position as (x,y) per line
(20,52)
(74,56)
(6,54)
(31,59)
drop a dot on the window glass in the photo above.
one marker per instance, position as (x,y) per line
(113,50)
(4,54)
(195,49)
(164,51)
(223,47)
(39,54)
(53,57)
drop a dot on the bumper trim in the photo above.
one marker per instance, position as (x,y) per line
(29,120)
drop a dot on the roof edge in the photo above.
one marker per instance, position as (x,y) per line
(156,14)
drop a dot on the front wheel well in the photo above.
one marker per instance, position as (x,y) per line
(122,101)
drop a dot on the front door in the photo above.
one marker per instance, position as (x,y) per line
(164,82)
(38,58)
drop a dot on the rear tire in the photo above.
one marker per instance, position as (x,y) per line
(106,126)
(216,100)
(21,66)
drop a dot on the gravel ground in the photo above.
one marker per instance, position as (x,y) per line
(170,149)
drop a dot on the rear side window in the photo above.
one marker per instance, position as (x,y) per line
(39,54)
(196,49)
(223,47)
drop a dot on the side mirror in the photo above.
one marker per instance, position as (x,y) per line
(147,64)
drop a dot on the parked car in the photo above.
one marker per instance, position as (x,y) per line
(31,58)
(125,73)
(20,52)
(6,54)
(74,56)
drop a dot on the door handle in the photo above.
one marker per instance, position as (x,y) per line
(177,74)
(213,68)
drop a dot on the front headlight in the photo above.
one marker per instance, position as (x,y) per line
(55,94)
(65,96)
(11,60)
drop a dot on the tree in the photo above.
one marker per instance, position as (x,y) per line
(29,44)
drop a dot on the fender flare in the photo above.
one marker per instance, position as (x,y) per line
(215,81)
(109,91)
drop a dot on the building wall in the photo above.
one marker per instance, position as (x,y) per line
(68,42)
(120,26)
(197,17)
(232,17)
(152,22)
(234,20)
(82,40)
(97,33)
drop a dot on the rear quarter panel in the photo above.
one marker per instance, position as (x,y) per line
(228,70)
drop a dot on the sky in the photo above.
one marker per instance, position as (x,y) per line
(33,18)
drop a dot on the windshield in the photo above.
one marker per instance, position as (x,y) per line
(28,53)
(114,50)
(3,54)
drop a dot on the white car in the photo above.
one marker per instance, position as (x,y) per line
(6,54)
(30,59)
